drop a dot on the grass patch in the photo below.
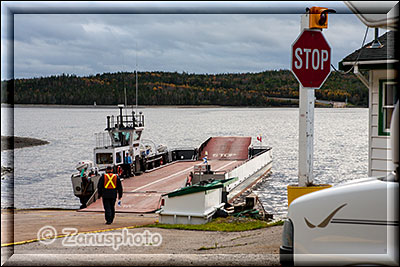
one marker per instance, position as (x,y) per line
(229,224)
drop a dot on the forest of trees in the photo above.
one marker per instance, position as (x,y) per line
(172,88)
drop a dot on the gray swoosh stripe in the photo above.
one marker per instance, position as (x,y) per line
(309,224)
(325,222)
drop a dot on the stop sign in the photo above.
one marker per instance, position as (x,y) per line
(311,59)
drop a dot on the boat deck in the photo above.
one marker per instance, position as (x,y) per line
(142,193)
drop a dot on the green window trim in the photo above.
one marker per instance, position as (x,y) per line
(382,131)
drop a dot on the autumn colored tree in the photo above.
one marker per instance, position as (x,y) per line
(264,89)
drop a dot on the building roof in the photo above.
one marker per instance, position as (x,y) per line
(365,55)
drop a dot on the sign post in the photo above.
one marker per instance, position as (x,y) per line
(306,136)
(311,64)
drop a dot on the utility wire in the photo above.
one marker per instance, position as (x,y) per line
(358,56)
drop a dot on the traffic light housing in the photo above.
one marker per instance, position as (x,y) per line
(319,17)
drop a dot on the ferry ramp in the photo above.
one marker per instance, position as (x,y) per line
(226,148)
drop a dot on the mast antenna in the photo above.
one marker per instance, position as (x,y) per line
(126,102)
(123,79)
(136,81)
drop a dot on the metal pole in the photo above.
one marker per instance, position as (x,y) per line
(136,90)
(306,127)
(306,136)
(121,123)
(136,81)
(123,80)
(126,103)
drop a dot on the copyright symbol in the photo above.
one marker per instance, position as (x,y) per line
(47,234)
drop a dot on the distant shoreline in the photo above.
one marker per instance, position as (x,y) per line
(145,106)
(112,106)
(13,142)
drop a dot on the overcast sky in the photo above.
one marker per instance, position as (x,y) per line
(85,44)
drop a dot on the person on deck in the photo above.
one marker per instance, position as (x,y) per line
(189,179)
(108,187)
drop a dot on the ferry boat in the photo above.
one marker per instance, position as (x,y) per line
(149,170)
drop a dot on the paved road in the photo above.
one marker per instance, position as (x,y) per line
(25,224)
(175,247)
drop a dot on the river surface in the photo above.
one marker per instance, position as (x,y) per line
(42,173)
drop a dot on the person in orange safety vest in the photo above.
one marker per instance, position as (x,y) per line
(108,187)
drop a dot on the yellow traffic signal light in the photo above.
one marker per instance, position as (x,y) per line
(319,17)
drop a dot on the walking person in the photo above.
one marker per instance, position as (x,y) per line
(108,187)
(189,179)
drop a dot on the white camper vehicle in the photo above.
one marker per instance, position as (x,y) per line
(357,223)
(352,224)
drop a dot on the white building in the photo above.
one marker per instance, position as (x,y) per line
(378,61)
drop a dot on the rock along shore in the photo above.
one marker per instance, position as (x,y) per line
(13,142)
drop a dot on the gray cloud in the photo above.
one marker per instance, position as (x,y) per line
(51,44)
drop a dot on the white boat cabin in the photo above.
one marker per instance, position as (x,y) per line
(120,140)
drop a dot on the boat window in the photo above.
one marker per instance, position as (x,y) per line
(118,157)
(125,138)
(104,158)
(116,137)
(136,135)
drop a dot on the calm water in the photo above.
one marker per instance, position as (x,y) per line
(42,173)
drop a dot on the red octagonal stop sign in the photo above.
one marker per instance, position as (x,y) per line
(311,59)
